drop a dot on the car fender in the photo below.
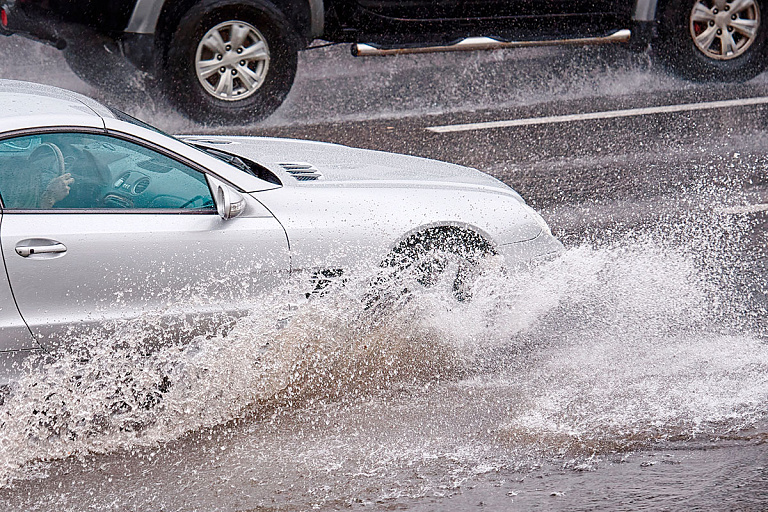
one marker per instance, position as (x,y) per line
(347,227)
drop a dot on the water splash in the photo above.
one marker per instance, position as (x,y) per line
(614,345)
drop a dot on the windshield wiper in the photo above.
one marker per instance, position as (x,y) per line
(249,167)
(232,160)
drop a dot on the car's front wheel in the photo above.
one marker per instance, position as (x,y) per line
(710,40)
(230,63)
(444,260)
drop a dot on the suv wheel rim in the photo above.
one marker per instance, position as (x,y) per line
(724,30)
(232,60)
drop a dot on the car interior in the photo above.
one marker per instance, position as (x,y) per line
(105,172)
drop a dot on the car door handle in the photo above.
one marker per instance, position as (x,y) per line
(30,250)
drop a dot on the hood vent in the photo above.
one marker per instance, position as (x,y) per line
(302,171)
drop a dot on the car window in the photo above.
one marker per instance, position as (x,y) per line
(82,170)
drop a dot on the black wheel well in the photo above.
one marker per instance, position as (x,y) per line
(296,12)
(446,237)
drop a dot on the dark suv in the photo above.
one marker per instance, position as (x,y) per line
(234,61)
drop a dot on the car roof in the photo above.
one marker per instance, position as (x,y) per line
(45,105)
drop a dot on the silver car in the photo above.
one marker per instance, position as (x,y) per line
(105,218)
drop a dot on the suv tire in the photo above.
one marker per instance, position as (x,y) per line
(694,39)
(230,63)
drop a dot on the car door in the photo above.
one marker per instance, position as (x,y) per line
(536,10)
(14,334)
(98,229)
(411,10)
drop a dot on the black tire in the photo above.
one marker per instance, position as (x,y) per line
(179,75)
(428,258)
(677,49)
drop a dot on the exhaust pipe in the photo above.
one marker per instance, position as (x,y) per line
(485,43)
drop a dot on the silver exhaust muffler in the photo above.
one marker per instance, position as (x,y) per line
(486,43)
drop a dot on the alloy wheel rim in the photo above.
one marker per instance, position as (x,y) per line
(232,60)
(723,29)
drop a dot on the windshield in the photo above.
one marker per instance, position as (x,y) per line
(244,165)
(122,116)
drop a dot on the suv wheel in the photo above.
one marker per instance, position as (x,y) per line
(714,39)
(230,63)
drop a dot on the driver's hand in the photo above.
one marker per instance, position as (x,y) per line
(56,190)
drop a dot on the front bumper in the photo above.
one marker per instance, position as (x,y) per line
(138,49)
(543,248)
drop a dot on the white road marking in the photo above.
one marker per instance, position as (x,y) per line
(741,210)
(609,114)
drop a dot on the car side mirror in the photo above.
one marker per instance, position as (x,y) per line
(229,202)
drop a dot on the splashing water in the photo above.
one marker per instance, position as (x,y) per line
(612,346)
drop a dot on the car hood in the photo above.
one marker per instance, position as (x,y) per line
(308,163)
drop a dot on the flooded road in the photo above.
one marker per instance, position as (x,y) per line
(629,374)
(636,357)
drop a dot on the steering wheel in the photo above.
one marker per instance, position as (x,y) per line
(58,156)
(49,179)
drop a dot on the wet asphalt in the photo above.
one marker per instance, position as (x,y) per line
(588,177)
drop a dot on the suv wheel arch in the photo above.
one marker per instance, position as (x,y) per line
(306,21)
